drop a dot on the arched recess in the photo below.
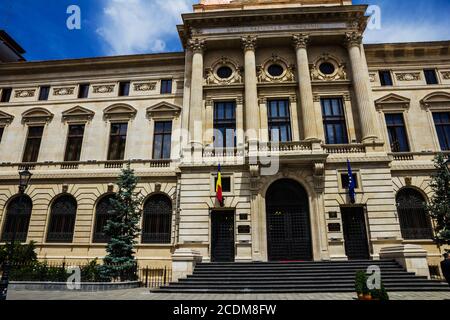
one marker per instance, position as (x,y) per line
(17,219)
(103,210)
(63,214)
(288,222)
(157,220)
(415,223)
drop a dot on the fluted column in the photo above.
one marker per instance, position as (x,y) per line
(251,89)
(366,108)
(196,100)
(305,88)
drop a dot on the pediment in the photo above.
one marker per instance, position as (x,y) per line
(120,111)
(78,113)
(163,110)
(393,101)
(436,98)
(37,115)
(5,118)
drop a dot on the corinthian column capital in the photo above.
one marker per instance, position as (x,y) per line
(300,40)
(353,39)
(196,44)
(249,42)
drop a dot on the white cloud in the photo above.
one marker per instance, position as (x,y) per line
(140,26)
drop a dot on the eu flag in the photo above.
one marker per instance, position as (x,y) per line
(351,183)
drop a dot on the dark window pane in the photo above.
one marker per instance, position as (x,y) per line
(74,142)
(279,121)
(33,144)
(157,220)
(62,220)
(124,89)
(345,182)
(430,76)
(226,184)
(117,142)
(162,140)
(103,211)
(18,214)
(166,86)
(224,124)
(83,91)
(397,132)
(2,129)
(442,123)
(334,121)
(43,93)
(6,94)
(275,70)
(385,78)
(224,72)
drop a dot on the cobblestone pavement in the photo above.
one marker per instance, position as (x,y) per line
(145,294)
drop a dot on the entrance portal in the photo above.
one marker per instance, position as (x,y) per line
(355,233)
(222,236)
(288,223)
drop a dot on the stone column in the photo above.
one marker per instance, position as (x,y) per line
(366,108)
(196,101)
(304,80)
(184,137)
(251,90)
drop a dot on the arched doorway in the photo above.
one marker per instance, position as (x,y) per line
(18,214)
(414,221)
(288,222)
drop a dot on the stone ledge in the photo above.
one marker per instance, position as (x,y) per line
(62,286)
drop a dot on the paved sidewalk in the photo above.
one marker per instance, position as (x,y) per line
(145,294)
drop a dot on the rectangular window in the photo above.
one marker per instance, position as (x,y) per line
(83,91)
(279,119)
(74,142)
(124,89)
(33,144)
(162,140)
(225,124)
(397,132)
(386,78)
(43,93)
(431,76)
(6,94)
(345,182)
(226,184)
(117,141)
(442,123)
(1,133)
(166,86)
(334,121)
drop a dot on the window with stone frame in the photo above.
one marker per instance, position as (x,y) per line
(103,211)
(279,120)
(17,219)
(157,220)
(442,123)
(33,144)
(162,140)
(224,124)
(398,136)
(334,123)
(63,214)
(166,86)
(74,142)
(385,78)
(6,95)
(117,141)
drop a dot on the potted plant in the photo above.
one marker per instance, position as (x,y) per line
(361,288)
(380,294)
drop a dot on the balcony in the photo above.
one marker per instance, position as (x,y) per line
(344,148)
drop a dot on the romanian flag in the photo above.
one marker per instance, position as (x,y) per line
(219,194)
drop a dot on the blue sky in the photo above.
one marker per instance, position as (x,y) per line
(115,27)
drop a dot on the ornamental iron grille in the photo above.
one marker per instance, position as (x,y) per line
(414,220)
(288,222)
(222,236)
(103,211)
(157,222)
(355,233)
(62,220)
(18,216)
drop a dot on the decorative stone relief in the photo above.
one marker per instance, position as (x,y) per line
(144,86)
(288,74)
(249,42)
(410,76)
(339,72)
(78,113)
(196,44)
(37,116)
(163,110)
(446,75)
(104,88)
(372,77)
(353,39)
(63,91)
(212,77)
(5,118)
(26,93)
(119,111)
(300,40)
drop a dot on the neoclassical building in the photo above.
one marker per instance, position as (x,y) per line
(279,93)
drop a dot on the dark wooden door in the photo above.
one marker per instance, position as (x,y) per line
(355,233)
(222,236)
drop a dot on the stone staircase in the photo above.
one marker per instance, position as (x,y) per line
(295,277)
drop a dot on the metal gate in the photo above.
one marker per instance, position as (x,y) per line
(355,233)
(288,224)
(222,236)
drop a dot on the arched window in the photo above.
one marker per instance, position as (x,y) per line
(102,213)
(157,220)
(17,220)
(414,221)
(62,220)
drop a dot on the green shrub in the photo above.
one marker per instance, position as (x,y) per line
(361,283)
(22,254)
(380,294)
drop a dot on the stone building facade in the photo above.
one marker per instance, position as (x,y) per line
(296,94)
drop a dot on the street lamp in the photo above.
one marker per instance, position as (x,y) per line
(24,180)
